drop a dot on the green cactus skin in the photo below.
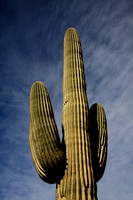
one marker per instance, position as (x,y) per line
(79,162)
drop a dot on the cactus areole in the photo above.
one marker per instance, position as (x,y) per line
(76,164)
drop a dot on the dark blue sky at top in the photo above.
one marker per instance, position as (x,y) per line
(31,49)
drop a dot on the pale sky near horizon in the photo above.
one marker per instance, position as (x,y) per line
(31,49)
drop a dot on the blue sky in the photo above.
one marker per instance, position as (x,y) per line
(31,49)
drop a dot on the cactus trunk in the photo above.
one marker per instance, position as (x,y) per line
(78,182)
(79,162)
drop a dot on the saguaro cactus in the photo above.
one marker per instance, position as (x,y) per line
(79,161)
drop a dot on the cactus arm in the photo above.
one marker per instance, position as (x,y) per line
(46,150)
(98,139)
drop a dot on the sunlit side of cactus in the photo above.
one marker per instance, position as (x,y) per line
(79,162)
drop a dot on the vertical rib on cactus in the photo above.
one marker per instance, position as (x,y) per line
(77,167)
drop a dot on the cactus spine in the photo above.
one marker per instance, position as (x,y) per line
(79,162)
